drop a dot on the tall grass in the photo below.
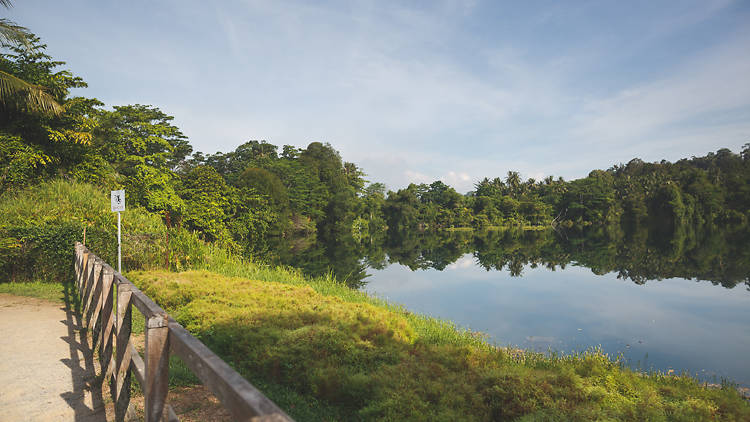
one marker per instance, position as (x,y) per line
(191,253)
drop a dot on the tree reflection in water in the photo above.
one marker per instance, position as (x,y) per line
(640,254)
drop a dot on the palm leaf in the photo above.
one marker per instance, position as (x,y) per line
(10,34)
(34,96)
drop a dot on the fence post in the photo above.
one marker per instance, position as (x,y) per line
(123,323)
(96,320)
(86,284)
(77,262)
(91,290)
(83,275)
(157,366)
(107,323)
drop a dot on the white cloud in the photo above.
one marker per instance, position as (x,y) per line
(417,177)
(466,261)
(714,82)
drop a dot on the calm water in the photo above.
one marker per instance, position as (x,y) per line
(662,297)
(669,324)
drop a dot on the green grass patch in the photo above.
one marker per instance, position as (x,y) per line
(324,346)
(54,292)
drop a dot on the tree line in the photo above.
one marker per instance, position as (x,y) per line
(260,191)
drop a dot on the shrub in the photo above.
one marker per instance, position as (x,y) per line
(40,225)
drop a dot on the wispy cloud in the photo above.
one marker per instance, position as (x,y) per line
(673,107)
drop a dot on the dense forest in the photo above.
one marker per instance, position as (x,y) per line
(245,198)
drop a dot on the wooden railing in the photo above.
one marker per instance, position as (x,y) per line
(110,325)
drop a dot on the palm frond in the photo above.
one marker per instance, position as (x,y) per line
(33,96)
(6,3)
(10,33)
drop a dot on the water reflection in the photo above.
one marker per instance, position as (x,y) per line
(623,289)
(717,254)
(672,324)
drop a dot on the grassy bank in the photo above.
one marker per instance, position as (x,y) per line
(339,354)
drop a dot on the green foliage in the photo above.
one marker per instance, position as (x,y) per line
(53,142)
(39,226)
(20,88)
(265,183)
(207,202)
(19,162)
(370,360)
(136,135)
(154,189)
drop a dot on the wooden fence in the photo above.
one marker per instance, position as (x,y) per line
(110,323)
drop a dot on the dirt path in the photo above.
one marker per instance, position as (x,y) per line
(46,371)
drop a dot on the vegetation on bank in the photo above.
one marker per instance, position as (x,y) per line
(365,359)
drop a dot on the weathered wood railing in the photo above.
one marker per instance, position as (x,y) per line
(110,326)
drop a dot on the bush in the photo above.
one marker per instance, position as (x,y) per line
(39,226)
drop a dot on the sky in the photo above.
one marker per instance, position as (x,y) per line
(416,91)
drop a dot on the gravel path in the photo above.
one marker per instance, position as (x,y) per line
(46,371)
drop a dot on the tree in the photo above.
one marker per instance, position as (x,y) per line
(134,135)
(14,90)
(266,183)
(207,202)
(513,179)
(60,142)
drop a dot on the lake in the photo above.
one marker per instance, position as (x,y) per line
(669,301)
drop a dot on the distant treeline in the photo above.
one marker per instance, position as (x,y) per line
(260,191)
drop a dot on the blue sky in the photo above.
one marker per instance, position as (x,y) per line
(420,91)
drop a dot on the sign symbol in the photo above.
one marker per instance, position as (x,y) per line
(118,200)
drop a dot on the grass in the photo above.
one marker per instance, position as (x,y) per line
(61,201)
(53,292)
(326,352)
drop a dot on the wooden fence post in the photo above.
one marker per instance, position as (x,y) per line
(95,266)
(123,323)
(86,286)
(84,276)
(77,262)
(157,366)
(95,303)
(79,265)
(107,323)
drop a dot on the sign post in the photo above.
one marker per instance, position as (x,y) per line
(117,198)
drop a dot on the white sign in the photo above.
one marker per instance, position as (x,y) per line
(118,200)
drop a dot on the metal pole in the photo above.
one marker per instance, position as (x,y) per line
(119,245)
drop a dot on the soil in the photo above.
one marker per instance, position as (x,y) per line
(46,372)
